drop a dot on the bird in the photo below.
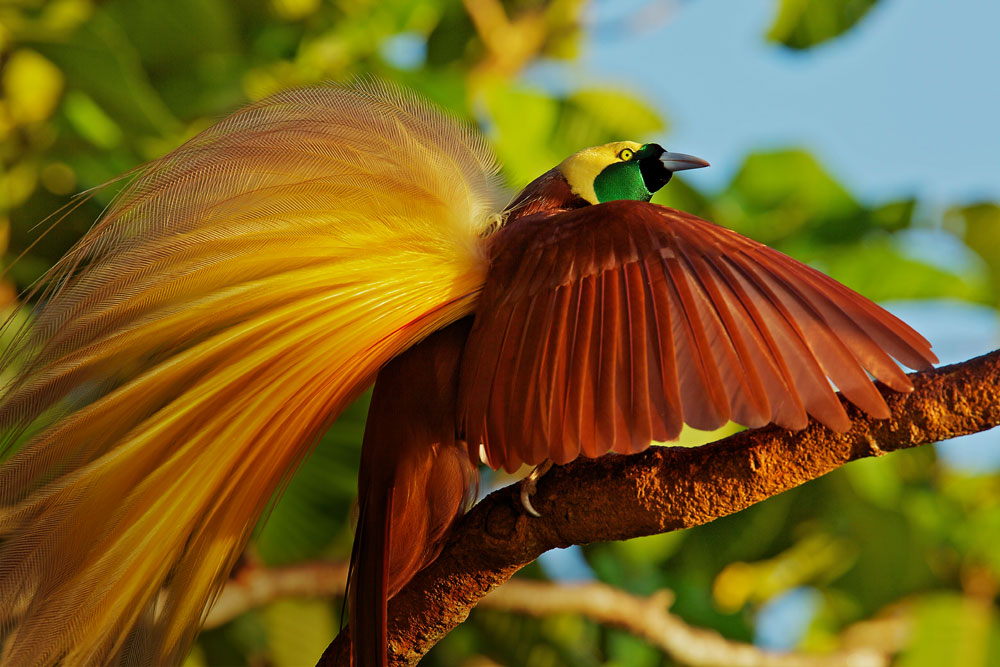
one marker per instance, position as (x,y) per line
(240,291)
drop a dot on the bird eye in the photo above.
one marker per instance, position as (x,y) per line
(625,154)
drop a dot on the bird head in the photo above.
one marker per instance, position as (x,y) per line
(623,170)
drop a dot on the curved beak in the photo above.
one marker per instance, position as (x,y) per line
(681,161)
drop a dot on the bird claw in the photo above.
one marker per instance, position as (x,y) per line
(528,486)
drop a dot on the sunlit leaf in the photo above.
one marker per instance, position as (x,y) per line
(626,650)
(953,630)
(99,60)
(522,123)
(880,271)
(652,549)
(873,482)
(564,19)
(91,122)
(801,24)
(294,10)
(315,508)
(298,631)
(779,194)
(533,131)
(31,86)
(593,116)
(979,226)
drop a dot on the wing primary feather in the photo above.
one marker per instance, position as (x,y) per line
(745,340)
(706,405)
(578,387)
(503,408)
(629,354)
(787,407)
(747,404)
(604,404)
(585,362)
(888,331)
(671,417)
(891,333)
(621,386)
(857,341)
(809,380)
(497,453)
(763,360)
(834,358)
(569,300)
(640,359)
(522,377)
(561,434)
(539,377)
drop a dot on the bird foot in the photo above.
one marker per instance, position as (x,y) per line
(528,485)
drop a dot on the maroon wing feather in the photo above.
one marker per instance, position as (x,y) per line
(605,327)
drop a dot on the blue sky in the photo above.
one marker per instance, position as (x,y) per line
(907,103)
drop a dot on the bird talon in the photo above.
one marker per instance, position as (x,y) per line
(528,486)
(527,490)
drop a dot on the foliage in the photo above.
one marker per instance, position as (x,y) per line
(801,24)
(92,89)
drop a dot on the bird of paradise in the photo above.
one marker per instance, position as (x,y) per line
(188,352)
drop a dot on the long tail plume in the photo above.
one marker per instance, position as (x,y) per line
(192,347)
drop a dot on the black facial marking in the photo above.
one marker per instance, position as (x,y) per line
(654,174)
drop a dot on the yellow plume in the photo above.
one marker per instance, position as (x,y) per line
(195,344)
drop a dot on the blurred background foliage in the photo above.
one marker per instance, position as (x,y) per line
(92,89)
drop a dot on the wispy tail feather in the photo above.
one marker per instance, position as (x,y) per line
(200,339)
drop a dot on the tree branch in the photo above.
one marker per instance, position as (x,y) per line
(664,489)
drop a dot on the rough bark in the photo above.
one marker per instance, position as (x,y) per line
(664,489)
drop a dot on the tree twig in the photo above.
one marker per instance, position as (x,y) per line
(664,489)
(254,587)
(646,617)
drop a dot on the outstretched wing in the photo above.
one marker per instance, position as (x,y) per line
(607,327)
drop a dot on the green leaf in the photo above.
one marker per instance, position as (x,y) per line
(176,34)
(90,121)
(523,124)
(951,629)
(314,509)
(877,269)
(979,226)
(99,60)
(191,49)
(627,650)
(780,194)
(298,631)
(449,40)
(870,480)
(801,24)
(652,549)
(534,132)
(515,639)
(595,116)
